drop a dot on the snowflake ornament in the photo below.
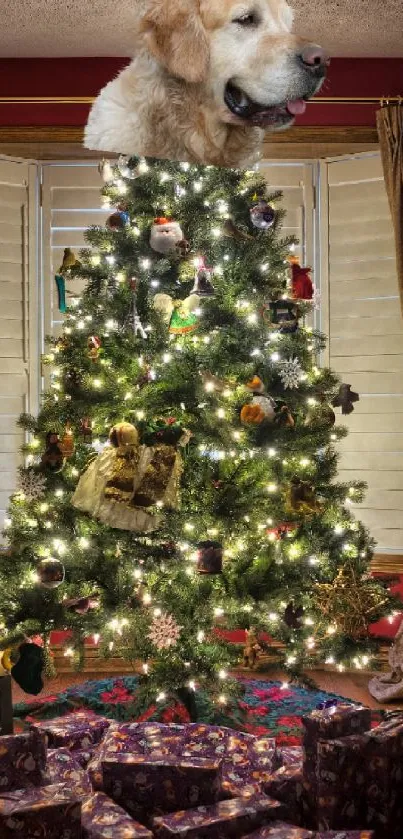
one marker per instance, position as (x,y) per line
(31,484)
(290,373)
(164,631)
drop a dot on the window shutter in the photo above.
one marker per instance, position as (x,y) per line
(19,318)
(71,204)
(361,314)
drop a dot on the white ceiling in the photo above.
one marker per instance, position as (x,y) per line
(48,28)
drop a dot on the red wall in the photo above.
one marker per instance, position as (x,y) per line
(86,76)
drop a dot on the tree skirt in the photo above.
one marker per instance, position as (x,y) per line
(266,708)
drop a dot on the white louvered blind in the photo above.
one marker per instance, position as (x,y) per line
(361,313)
(296,181)
(19,324)
(71,204)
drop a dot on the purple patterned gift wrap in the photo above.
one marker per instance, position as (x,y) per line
(103,819)
(246,759)
(79,730)
(383,763)
(341,783)
(22,760)
(345,834)
(63,768)
(288,756)
(225,820)
(329,723)
(281,830)
(287,786)
(49,812)
(143,785)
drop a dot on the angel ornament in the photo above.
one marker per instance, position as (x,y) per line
(126,482)
(181,315)
(390,685)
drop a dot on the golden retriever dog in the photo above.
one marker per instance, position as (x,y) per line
(209,77)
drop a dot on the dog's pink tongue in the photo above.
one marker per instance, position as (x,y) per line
(296,106)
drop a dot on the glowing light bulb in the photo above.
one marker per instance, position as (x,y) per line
(96,637)
(271,452)
(272,488)
(222,674)
(160,696)
(201,636)
(147,599)
(221,413)
(59,493)
(222,699)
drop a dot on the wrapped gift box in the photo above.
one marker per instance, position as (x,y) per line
(50,812)
(242,754)
(286,785)
(22,760)
(341,783)
(103,819)
(345,834)
(339,720)
(360,781)
(79,730)
(63,768)
(288,756)
(281,830)
(383,765)
(230,789)
(229,819)
(154,739)
(144,785)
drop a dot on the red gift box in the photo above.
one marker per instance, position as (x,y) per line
(230,819)
(50,812)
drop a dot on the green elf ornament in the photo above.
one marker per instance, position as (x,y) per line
(179,314)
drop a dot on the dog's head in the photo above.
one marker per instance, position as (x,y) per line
(243,50)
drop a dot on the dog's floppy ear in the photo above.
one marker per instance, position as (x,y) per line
(175,35)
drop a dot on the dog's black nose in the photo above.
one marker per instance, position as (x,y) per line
(314,57)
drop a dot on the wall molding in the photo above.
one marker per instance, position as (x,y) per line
(298,134)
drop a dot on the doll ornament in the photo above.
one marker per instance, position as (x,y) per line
(124,484)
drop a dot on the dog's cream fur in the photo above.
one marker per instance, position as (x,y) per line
(169,102)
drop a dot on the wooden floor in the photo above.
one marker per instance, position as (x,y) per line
(351,685)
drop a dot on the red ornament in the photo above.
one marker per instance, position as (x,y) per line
(302,287)
(281,530)
(94,346)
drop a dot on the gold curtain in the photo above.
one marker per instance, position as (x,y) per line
(390,131)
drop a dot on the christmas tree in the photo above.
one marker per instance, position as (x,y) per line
(180,480)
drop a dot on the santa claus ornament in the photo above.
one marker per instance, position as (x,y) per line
(166,234)
(302,286)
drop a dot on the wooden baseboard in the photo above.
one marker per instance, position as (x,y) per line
(345,134)
(95,664)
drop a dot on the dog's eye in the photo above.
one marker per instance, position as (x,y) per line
(248,19)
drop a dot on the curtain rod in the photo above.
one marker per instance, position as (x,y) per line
(88,100)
